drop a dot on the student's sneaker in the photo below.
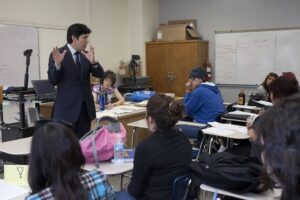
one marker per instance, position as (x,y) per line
(221,149)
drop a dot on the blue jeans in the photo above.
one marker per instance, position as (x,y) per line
(124,195)
(193,132)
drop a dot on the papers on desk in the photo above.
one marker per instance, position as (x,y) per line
(128,107)
(246,107)
(9,191)
(226,130)
(115,111)
(218,131)
(237,112)
(142,103)
(191,124)
(265,103)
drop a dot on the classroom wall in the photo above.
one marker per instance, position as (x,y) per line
(119,28)
(216,15)
(144,19)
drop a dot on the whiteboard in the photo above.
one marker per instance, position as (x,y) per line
(247,57)
(14,40)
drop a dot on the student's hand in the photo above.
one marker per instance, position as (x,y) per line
(261,111)
(188,86)
(90,55)
(251,132)
(57,56)
(97,107)
(109,106)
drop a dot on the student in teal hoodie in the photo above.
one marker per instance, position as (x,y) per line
(202,100)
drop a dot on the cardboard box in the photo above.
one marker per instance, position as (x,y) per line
(170,32)
(190,22)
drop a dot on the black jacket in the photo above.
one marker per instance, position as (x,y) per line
(158,161)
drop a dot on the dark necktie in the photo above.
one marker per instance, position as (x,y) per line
(77,59)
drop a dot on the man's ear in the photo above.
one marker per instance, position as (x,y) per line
(73,38)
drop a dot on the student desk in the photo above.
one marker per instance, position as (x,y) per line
(124,118)
(237,116)
(10,191)
(14,192)
(228,131)
(111,168)
(134,113)
(143,125)
(268,195)
(246,107)
(16,147)
(22,147)
(44,108)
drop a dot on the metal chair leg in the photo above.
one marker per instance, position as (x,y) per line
(210,144)
(133,136)
(200,147)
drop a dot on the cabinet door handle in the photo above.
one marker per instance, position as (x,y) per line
(172,76)
(169,76)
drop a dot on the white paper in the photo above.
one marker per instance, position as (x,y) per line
(246,107)
(229,127)
(218,131)
(128,107)
(9,191)
(238,112)
(265,103)
(142,103)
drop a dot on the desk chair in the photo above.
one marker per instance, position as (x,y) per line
(196,135)
(181,187)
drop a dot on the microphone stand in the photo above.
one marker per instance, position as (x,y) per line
(21,99)
(27,53)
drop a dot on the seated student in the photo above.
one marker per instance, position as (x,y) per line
(264,87)
(202,100)
(163,156)
(279,89)
(282,87)
(55,167)
(291,76)
(106,87)
(279,133)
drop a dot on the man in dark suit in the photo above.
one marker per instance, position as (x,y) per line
(69,68)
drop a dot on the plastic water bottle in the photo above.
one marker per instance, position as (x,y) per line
(102,102)
(118,149)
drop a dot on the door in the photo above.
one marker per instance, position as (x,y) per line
(183,59)
(157,60)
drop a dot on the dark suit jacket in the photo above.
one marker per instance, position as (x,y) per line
(73,86)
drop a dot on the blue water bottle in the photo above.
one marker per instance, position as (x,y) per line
(102,102)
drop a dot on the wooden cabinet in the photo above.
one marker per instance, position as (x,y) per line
(168,64)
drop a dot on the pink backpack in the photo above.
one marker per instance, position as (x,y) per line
(98,144)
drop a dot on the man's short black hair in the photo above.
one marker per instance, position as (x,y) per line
(198,73)
(77,30)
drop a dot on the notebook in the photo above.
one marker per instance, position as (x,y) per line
(44,90)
